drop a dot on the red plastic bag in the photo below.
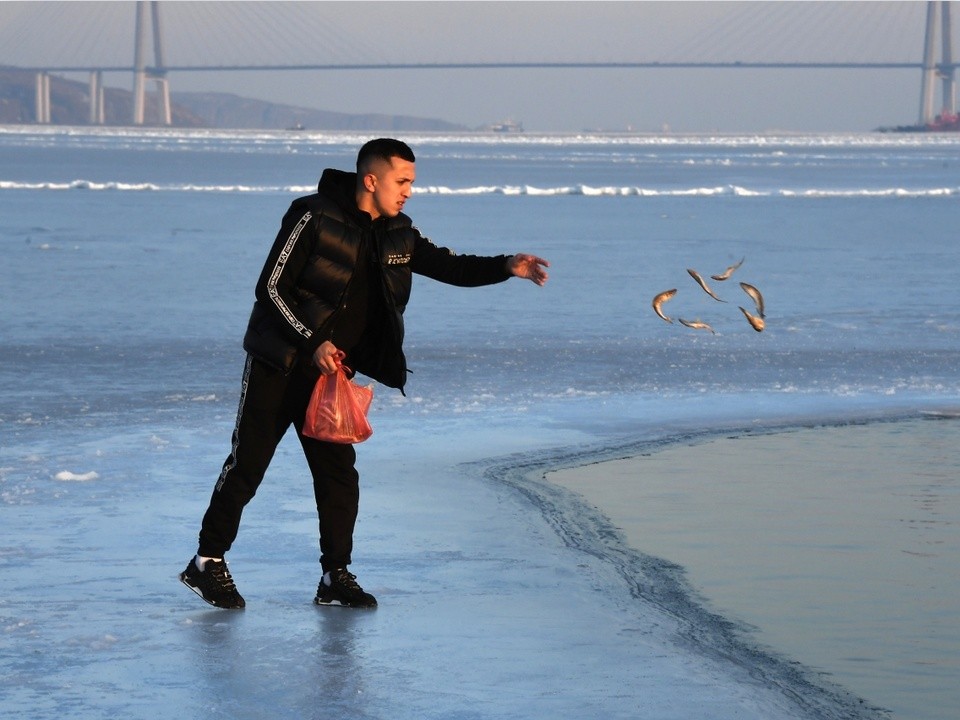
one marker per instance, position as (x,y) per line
(338,408)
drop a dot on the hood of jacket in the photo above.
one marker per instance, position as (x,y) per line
(341,187)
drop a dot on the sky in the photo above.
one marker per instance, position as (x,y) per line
(551,100)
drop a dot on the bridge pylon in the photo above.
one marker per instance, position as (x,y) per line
(938,17)
(156,73)
(42,98)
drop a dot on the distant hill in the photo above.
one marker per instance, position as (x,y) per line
(69,106)
(223,110)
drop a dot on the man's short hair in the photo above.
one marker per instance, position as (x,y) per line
(382,149)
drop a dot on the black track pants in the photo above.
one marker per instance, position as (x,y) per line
(270,402)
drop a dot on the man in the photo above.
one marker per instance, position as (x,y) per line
(334,288)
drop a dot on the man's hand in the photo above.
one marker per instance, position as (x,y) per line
(530,267)
(327,357)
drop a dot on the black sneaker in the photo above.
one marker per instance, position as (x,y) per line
(214,584)
(344,591)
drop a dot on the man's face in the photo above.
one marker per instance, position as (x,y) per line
(390,184)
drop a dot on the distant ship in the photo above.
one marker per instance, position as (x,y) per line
(944,122)
(507,126)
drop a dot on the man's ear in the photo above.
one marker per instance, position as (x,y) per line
(370,182)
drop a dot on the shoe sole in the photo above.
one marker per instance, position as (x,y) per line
(337,603)
(183,579)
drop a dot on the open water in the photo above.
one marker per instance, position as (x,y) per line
(129,258)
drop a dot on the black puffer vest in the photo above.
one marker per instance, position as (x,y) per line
(304,280)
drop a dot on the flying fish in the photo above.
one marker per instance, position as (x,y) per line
(755,296)
(729,271)
(703,283)
(755,322)
(660,299)
(696,325)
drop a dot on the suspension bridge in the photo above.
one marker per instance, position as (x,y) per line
(151,62)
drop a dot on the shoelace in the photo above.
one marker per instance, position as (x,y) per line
(222,575)
(349,580)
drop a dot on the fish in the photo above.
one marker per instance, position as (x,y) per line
(703,283)
(696,325)
(756,323)
(660,299)
(729,271)
(755,296)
